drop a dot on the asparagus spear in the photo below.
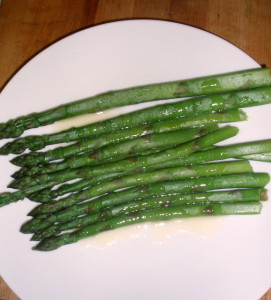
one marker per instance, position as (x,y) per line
(229,167)
(136,146)
(191,185)
(158,214)
(10,197)
(153,143)
(168,90)
(56,223)
(133,163)
(87,145)
(266,157)
(48,194)
(221,102)
(244,150)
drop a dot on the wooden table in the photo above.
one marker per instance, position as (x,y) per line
(28,26)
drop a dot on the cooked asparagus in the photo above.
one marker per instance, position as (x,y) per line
(133,163)
(228,167)
(215,103)
(184,88)
(158,214)
(80,216)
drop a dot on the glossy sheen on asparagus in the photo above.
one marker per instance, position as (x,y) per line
(80,215)
(10,197)
(184,88)
(241,150)
(221,168)
(152,143)
(160,189)
(133,163)
(266,157)
(158,214)
(191,185)
(212,103)
(249,150)
(87,145)
(31,187)
(150,203)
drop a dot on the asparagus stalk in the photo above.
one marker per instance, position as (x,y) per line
(133,163)
(88,145)
(244,150)
(153,143)
(191,185)
(229,167)
(168,90)
(247,150)
(266,157)
(80,217)
(213,103)
(136,146)
(48,194)
(158,214)
(10,197)
(35,158)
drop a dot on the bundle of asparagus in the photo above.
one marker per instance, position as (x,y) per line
(164,157)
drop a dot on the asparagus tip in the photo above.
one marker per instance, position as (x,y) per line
(49,244)
(14,184)
(38,209)
(35,238)
(32,213)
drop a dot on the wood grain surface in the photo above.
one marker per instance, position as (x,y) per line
(29,26)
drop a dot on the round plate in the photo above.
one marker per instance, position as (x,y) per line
(202,258)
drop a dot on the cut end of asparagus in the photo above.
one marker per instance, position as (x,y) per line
(243,115)
(264,195)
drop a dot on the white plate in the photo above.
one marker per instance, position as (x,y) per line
(212,258)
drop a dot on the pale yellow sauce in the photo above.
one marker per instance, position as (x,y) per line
(158,232)
(84,120)
(97,117)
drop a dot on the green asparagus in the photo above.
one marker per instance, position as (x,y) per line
(48,194)
(241,150)
(191,185)
(133,163)
(247,150)
(10,197)
(87,145)
(228,167)
(266,157)
(136,146)
(213,103)
(184,88)
(158,214)
(80,217)
(152,142)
